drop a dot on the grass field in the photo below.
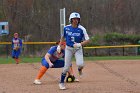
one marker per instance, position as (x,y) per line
(9,60)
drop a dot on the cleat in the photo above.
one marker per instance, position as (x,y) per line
(62,86)
(37,82)
(76,80)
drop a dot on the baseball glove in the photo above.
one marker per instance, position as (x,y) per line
(70,79)
(16,48)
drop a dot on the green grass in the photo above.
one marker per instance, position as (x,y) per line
(9,60)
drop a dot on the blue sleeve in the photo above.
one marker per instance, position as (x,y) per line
(52,50)
(64,33)
(12,44)
(20,42)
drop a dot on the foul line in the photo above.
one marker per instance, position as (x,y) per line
(132,82)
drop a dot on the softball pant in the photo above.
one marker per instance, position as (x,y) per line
(69,52)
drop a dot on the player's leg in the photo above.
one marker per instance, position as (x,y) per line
(68,57)
(14,56)
(42,71)
(60,64)
(71,72)
(79,60)
(17,60)
(17,53)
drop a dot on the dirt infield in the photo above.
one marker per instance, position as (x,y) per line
(99,77)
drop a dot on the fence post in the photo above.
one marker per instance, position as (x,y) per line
(123,51)
(7,51)
(138,49)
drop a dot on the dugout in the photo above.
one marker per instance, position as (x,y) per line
(4,31)
(4,28)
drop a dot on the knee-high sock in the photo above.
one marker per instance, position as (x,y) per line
(43,69)
(62,78)
(17,60)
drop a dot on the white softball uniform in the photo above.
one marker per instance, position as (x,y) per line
(72,36)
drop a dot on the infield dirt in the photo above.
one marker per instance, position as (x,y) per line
(116,76)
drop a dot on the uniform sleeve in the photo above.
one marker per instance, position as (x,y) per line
(52,50)
(86,37)
(20,43)
(64,33)
(12,44)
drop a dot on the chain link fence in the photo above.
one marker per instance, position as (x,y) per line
(39,49)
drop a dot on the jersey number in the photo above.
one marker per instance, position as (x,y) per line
(72,39)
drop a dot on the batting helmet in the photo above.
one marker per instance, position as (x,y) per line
(74,15)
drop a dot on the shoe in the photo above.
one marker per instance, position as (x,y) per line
(62,86)
(37,82)
(76,80)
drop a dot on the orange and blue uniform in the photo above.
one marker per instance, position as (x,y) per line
(16,42)
(55,58)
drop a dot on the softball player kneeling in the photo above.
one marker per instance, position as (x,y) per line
(52,60)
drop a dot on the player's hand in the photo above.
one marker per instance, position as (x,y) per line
(58,49)
(50,64)
(77,45)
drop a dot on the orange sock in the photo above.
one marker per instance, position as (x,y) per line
(17,60)
(43,69)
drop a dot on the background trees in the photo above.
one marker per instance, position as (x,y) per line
(41,18)
(38,20)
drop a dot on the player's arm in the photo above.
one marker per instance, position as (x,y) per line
(62,39)
(59,47)
(47,57)
(86,37)
(12,44)
(85,42)
(20,43)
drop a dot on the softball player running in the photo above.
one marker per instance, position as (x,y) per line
(16,47)
(75,36)
(52,60)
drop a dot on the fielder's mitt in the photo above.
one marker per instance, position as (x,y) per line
(70,79)
(16,48)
